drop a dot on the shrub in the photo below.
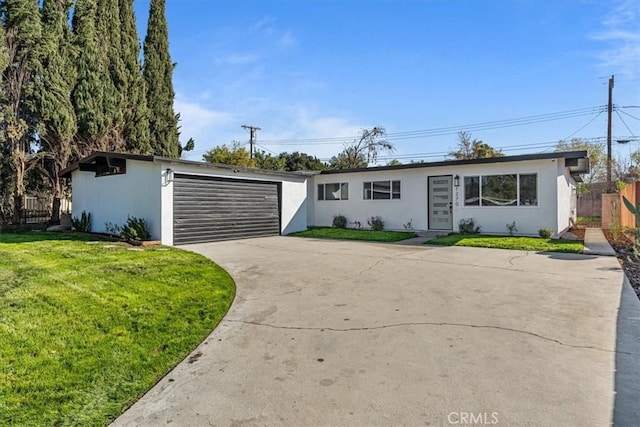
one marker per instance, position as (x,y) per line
(113,229)
(339,221)
(83,223)
(376,223)
(511,228)
(135,229)
(545,233)
(468,226)
(408,226)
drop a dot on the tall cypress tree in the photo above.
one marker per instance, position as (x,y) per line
(89,91)
(56,114)
(136,113)
(6,177)
(21,20)
(112,69)
(158,71)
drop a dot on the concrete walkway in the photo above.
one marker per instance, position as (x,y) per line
(596,244)
(325,333)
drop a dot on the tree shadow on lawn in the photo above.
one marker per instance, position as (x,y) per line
(7,237)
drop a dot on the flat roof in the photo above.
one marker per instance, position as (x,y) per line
(580,167)
(66,173)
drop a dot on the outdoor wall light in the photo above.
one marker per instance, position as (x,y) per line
(169,176)
(456,181)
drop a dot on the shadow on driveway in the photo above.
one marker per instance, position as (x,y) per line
(626,410)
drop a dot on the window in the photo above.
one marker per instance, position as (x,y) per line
(333,191)
(501,190)
(472,191)
(529,190)
(381,190)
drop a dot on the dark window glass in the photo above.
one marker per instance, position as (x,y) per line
(320,191)
(381,190)
(332,191)
(344,191)
(367,191)
(499,190)
(529,190)
(472,191)
(395,189)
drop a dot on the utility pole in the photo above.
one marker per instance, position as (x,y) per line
(252,137)
(609,113)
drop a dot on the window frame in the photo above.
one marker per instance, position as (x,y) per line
(391,191)
(518,190)
(341,189)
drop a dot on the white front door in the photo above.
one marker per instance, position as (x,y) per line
(440,206)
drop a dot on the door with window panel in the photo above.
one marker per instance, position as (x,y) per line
(440,207)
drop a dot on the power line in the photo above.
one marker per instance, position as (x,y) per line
(633,117)
(587,124)
(625,124)
(497,124)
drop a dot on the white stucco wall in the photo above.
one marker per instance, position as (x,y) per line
(566,194)
(293,195)
(413,204)
(113,198)
(529,219)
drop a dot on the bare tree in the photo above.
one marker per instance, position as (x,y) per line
(364,150)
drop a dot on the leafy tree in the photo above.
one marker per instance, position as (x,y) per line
(394,162)
(229,155)
(6,176)
(135,129)
(189,146)
(23,33)
(597,157)
(267,161)
(473,149)
(302,162)
(363,150)
(157,72)
(58,123)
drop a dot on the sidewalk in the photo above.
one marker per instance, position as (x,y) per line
(596,244)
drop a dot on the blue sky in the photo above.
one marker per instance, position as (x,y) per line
(318,69)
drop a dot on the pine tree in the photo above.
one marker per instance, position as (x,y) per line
(158,71)
(21,20)
(57,118)
(89,92)
(136,113)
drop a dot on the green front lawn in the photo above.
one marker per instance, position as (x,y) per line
(355,234)
(509,242)
(87,327)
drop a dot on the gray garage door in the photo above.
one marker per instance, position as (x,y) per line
(210,209)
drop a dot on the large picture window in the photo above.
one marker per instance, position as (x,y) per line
(333,191)
(501,190)
(381,190)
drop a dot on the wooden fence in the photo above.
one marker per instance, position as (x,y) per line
(614,211)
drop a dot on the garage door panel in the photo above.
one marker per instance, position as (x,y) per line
(210,209)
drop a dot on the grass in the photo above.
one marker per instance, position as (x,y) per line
(588,220)
(355,234)
(509,242)
(87,327)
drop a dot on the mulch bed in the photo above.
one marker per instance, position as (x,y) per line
(623,245)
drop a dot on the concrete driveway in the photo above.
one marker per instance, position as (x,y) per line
(351,333)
